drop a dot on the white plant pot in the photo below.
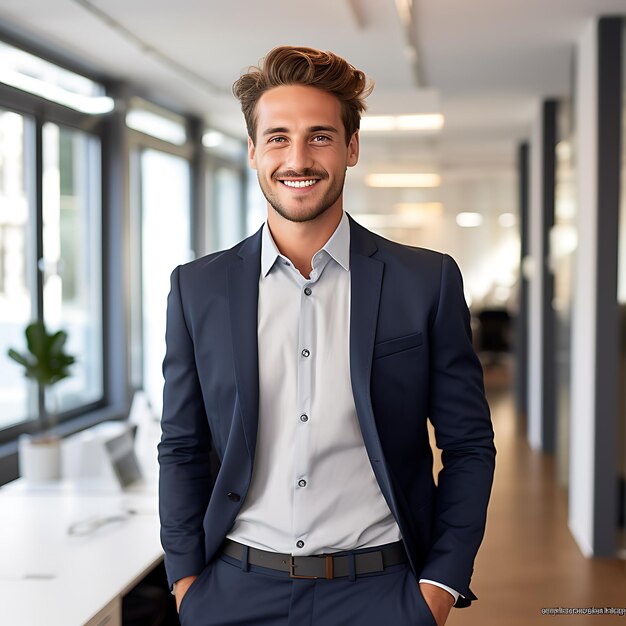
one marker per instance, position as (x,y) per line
(39,459)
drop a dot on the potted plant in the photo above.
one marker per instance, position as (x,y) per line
(46,362)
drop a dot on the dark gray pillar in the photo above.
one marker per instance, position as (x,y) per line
(607,309)
(521,323)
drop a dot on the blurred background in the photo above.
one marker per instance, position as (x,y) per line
(494,133)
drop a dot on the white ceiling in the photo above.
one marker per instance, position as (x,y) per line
(489,62)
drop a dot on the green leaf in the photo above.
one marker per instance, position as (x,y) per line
(49,362)
(20,358)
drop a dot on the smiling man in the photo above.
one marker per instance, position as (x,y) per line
(307,359)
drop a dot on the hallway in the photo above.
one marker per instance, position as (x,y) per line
(529,560)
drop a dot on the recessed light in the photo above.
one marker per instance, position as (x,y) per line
(430,121)
(377,122)
(156,125)
(403,180)
(507,220)
(468,219)
(387,123)
(390,220)
(34,75)
(212,139)
(423,208)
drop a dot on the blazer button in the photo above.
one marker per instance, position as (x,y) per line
(233,497)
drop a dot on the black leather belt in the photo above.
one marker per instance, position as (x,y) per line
(324,566)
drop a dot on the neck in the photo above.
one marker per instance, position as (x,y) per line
(299,241)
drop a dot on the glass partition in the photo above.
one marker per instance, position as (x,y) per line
(563,243)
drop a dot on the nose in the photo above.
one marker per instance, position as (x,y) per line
(300,156)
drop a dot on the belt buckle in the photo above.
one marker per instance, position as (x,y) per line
(329,569)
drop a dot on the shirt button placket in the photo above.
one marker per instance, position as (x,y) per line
(304,386)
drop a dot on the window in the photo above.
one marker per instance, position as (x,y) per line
(72,258)
(226,191)
(165,243)
(227,203)
(17,273)
(50,231)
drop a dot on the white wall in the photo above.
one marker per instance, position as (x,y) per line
(582,442)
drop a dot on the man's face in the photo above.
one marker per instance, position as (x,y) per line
(300,153)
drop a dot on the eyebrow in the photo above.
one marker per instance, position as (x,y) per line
(311,129)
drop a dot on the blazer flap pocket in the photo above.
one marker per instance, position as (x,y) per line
(399,344)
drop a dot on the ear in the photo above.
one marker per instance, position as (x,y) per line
(251,153)
(353,150)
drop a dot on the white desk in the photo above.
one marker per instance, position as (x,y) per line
(51,578)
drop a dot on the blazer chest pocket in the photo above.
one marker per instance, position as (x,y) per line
(399,344)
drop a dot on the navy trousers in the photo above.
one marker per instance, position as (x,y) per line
(232,593)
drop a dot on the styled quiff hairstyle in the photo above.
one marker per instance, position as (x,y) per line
(291,65)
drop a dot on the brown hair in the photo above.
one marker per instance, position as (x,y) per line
(291,65)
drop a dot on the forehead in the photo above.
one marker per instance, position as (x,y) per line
(291,105)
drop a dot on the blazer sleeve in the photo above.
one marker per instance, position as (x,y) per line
(185,480)
(463,431)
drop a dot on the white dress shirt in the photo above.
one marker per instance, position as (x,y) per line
(313,490)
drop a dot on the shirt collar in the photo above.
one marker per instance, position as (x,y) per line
(338,247)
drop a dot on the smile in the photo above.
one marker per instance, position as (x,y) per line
(299,183)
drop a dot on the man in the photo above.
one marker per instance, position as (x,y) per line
(308,359)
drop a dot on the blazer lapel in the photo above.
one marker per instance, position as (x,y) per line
(366,285)
(243,298)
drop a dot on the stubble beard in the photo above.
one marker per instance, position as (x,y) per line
(330,197)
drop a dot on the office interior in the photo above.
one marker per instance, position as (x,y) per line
(495,133)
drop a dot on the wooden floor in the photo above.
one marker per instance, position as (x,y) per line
(529,560)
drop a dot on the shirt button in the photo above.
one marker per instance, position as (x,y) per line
(305,352)
(307,291)
(304,418)
(234,497)
(302,482)
(300,544)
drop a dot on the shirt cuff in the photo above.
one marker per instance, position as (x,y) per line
(452,592)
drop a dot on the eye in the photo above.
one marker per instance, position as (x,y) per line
(321,138)
(276,140)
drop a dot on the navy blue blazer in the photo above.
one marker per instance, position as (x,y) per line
(411,358)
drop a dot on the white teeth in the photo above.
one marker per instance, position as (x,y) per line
(299,183)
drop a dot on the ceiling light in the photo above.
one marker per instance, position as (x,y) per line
(403,180)
(92,105)
(41,78)
(155,125)
(404,8)
(212,139)
(389,220)
(423,121)
(563,240)
(564,150)
(422,208)
(507,220)
(378,122)
(427,121)
(469,220)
